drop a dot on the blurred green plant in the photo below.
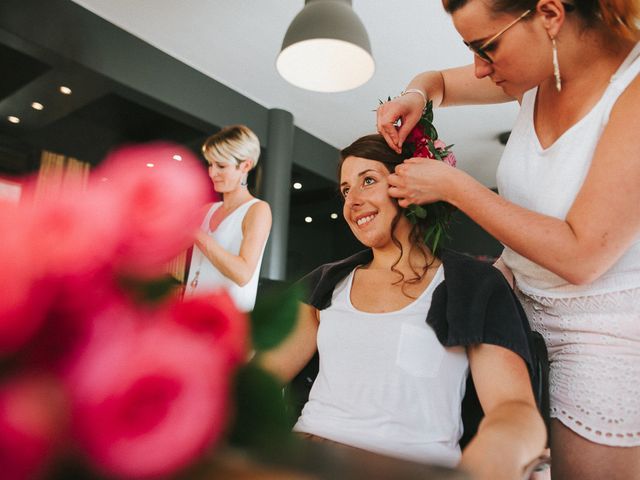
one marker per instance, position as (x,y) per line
(263,413)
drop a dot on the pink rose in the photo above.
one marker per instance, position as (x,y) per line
(215,317)
(149,403)
(450,158)
(24,302)
(423,152)
(32,421)
(76,232)
(417,135)
(85,306)
(158,200)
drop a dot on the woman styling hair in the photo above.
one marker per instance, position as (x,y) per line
(231,241)
(389,381)
(569,206)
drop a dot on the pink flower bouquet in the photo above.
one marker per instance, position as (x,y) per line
(131,388)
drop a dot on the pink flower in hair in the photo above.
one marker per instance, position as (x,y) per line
(449,158)
(417,135)
(423,151)
(146,405)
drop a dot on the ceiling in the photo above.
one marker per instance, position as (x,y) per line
(236,42)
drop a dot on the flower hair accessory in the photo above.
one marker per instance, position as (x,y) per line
(423,142)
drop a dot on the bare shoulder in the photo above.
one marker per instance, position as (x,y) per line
(260,207)
(629,101)
(258,214)
(621,132)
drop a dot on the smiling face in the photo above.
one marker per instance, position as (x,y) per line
(368,208)
(521,55)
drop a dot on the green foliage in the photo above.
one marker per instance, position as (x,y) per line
(274,317)
(261,418)
(438,215)
(149,290)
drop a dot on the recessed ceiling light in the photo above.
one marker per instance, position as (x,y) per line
(65,90)
(308,219)
(104,179)
(37,106)
(334,215)
(177,157)
(297,186)
(150,165)
(13,119)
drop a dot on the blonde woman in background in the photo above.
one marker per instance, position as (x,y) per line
(569,206)
(231,241)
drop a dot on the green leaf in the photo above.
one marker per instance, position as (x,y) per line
(274,316)
(428,111)
(261,419)
(436,240)
(149,290)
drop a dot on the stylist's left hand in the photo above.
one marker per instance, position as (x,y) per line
(421,180)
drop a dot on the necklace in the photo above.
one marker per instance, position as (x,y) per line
(194,282)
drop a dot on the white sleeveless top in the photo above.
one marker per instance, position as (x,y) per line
(385,383)
(547,181)
(229,235)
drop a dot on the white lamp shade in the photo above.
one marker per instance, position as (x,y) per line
(326,48)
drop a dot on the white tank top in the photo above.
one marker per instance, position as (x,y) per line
(229,235)
(547,180)
(385,383)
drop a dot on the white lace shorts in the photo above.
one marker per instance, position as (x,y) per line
(594,354)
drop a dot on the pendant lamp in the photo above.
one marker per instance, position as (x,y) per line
(326,48)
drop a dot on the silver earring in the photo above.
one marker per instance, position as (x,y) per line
(556,65)
(243,180)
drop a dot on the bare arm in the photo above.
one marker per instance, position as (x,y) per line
(287,359)
(512,432)
(602,223)
(255,230)
(455,86)
(506,271)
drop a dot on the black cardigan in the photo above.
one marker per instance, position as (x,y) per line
(474,304)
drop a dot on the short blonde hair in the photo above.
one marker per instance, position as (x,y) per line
(233,144)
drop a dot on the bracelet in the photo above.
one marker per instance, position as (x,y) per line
(419,92)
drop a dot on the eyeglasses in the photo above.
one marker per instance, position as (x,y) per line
(481,50)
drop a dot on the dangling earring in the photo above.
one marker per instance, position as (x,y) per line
(243,180)
(556,65)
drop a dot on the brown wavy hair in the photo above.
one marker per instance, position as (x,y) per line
(374,147)
(618,16)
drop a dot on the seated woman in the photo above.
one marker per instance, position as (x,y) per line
(388,381)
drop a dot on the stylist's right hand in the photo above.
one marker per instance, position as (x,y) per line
(407,109)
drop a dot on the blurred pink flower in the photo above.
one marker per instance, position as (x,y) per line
(215,317)
(23,303)
(158,200)
(85,306)
(148,404)
(32,420)
(74,233)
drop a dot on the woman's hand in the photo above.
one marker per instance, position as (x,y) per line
(406,108)
(421,180)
